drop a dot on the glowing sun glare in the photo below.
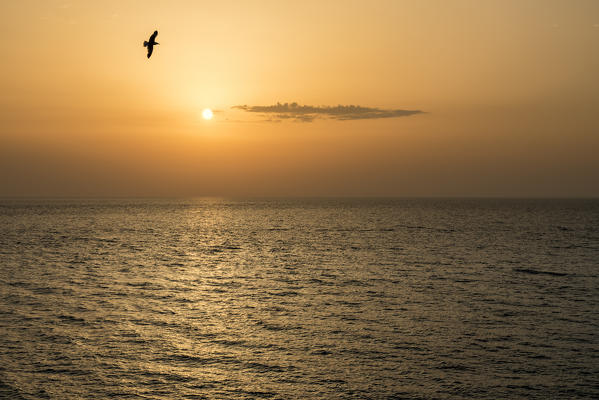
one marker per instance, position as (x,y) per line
(207,113)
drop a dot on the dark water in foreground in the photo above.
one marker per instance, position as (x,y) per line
(299,299)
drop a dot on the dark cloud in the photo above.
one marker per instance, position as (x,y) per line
(296,112)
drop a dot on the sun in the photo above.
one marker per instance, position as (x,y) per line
(207,113)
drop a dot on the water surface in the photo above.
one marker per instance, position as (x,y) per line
(299,299)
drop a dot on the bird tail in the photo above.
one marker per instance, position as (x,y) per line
(145,44)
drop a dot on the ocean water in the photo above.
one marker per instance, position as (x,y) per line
(299,299)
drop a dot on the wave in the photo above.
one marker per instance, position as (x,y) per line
(537,272)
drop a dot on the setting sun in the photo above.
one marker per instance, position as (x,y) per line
(207,114)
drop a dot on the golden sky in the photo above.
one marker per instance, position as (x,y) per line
(508,89)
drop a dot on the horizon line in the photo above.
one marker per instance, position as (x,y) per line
(248,197)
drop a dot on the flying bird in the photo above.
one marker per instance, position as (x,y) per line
(150,44)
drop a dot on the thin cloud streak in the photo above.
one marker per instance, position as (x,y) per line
(305,113)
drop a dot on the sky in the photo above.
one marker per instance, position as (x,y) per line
(495,98)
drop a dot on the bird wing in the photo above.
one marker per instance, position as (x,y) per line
(153,37)
(150,49)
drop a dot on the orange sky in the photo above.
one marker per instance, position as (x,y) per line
(509,90)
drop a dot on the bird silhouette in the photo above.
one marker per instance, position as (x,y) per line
(150,44)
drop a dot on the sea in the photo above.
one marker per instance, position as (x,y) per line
(299,298)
